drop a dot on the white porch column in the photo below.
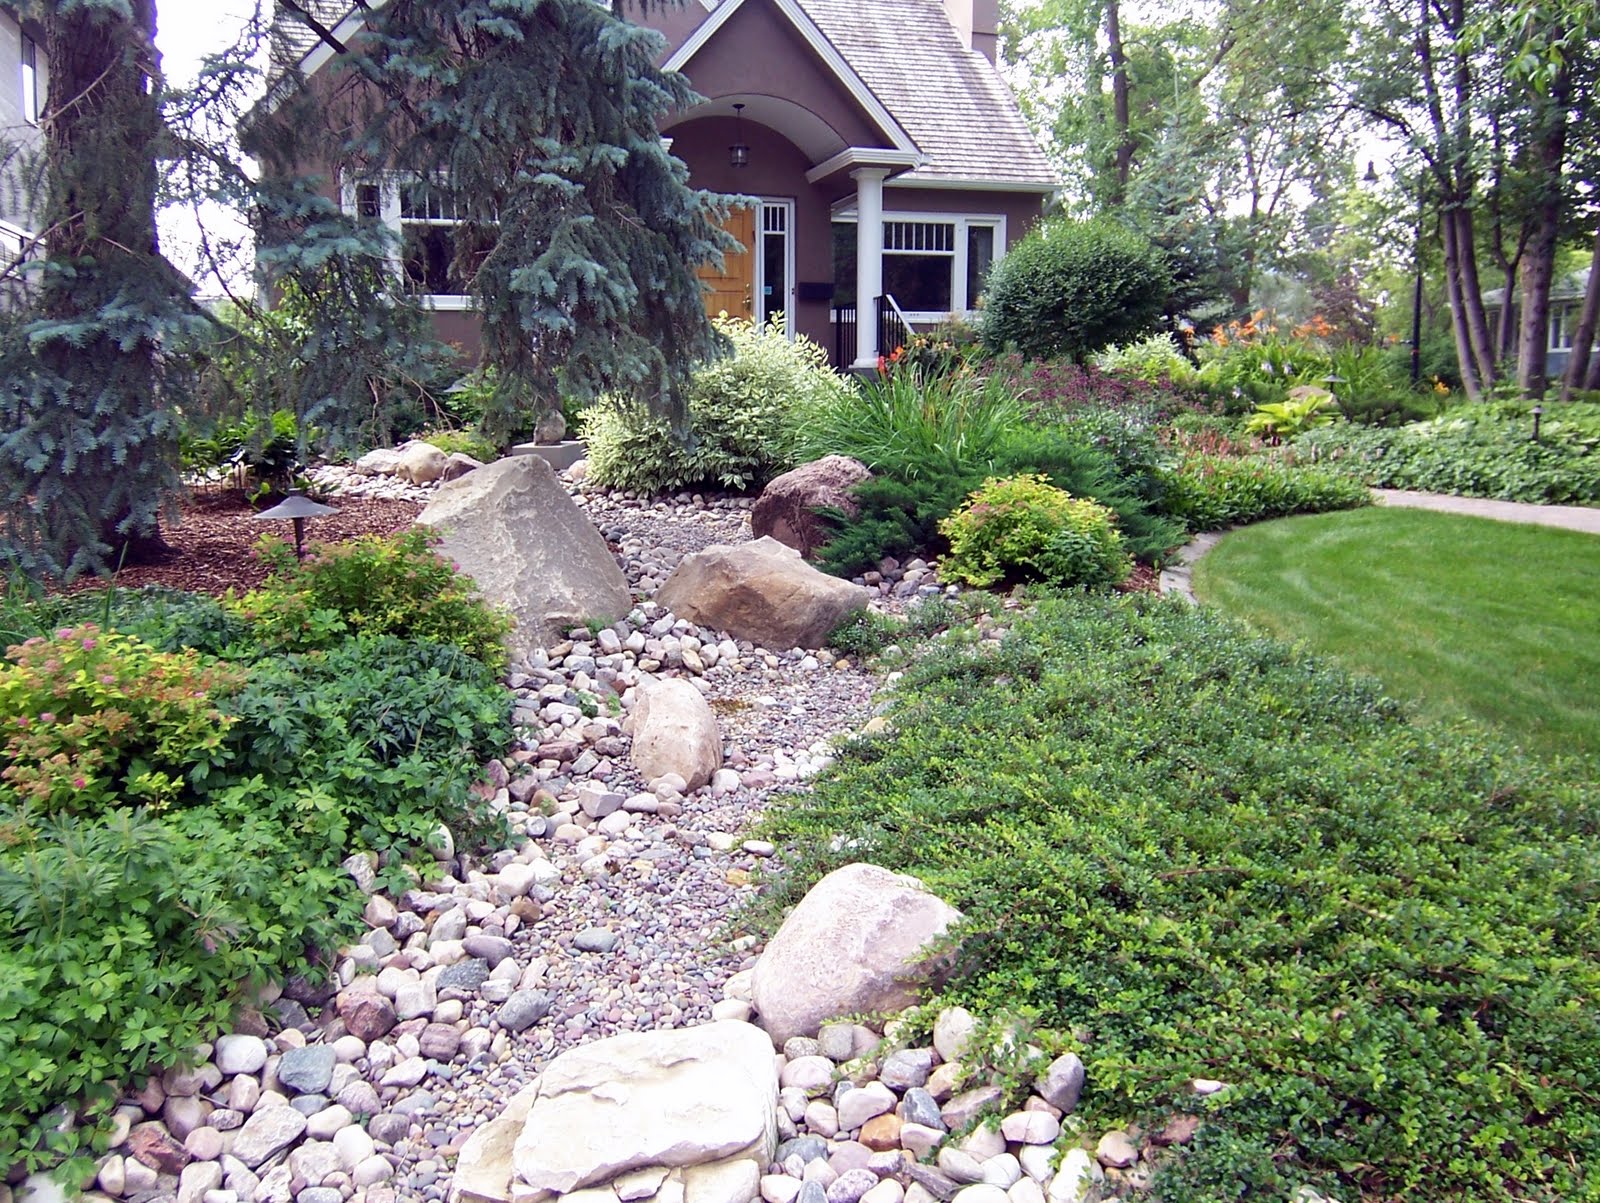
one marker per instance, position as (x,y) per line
(869,260)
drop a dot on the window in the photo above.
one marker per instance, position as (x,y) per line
(931,267)
(30,80)
(428,221)
(775,221)
(1561,328)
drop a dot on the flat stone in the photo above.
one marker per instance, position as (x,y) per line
(732,1180)
(595,939)
(523,1009)
(268,1131)
(858,1106)
(670,1098)
(465,976)
(919,1107)
(967,1106)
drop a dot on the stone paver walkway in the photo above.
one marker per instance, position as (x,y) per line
(1568,517)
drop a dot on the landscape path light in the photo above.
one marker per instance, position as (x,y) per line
(296,507)
(1538,412)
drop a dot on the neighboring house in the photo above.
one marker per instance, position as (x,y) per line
(1566,303)
(889,161)
(22,92)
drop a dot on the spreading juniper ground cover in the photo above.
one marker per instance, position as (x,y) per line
(1201,854)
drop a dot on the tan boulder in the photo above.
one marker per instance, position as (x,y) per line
(679,1098)
(514,529)
(458,465)
(484,1168)
(380,461)
(760,591)
(787,508)
(674,731)
(421,463)
(857,942)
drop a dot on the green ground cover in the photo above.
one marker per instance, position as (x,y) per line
(1466,616)
(1193,852)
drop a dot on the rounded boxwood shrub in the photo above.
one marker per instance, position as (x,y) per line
(1023,525)
(1071,288)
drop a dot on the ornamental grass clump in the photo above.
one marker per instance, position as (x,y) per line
(1024,527)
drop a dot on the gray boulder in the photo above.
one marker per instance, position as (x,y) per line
(760,591)
(856,942)
(516,532)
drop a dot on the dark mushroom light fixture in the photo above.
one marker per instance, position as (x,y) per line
(739,152)
(296,507)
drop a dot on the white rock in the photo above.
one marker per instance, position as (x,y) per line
(268,1131)
(732,1008)
(421,463)
(241,1054)
(887,1191)
(373,1170)
(734,1180)
(855,943)
(983,1192)
(1078,1173)
(353,1146)
(856,1107)
(674,731)
(1031,1128)
(672,1098)
(780,1188)
(1025,1190)
(197,1178)
(1002,1170)
(951,1032)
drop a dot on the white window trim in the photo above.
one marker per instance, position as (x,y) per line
(788,207)
(32,99)
(389,184)
(959,273)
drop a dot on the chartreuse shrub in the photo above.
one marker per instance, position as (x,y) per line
(1203,854)
(1153,360)
(92,717)
(744,414)
(1209,492)
(1479,451)
(1023,527)
(172,828)
(1071,288)
(380,585)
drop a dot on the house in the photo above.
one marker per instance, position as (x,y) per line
(22,90)
(889,163)
(1566,303)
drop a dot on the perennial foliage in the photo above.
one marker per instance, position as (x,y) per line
(1202,854)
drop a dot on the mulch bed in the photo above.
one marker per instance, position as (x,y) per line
(211,545)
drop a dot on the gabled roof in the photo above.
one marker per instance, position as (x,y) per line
(901,58)
(949,98)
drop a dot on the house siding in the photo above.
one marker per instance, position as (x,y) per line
(18,133)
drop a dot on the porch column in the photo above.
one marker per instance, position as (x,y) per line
(869,261)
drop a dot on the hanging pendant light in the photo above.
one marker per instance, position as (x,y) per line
(739,152)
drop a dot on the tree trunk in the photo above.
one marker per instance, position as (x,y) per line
(102,128)
(1458,314)
(1472,296)
(1583,338)
(1539,262)
(1119,98)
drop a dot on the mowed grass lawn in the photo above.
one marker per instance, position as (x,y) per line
(1464,616)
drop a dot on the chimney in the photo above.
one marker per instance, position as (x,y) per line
(977,24)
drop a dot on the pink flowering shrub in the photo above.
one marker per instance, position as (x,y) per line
(91,719)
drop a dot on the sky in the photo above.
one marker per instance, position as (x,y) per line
(186,31)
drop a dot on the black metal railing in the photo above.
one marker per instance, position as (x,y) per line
(893,329)
(844,336)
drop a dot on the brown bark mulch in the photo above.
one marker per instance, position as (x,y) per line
(210,546)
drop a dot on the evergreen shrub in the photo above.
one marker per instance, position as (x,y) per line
(1024,527)
(744,414)
(1201,854)
(1071,288)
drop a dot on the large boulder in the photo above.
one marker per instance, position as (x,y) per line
(856,942)
(671,1098)
(787,508)
(516,532)
(674,731)
(380,461)
(760,591)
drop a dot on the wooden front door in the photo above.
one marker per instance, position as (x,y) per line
(732,290)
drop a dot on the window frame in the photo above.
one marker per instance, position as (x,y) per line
(28,56)
(960,267)
(391,213)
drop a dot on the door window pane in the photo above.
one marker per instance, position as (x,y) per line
(980,258)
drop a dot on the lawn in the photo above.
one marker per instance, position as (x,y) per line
(1463,616)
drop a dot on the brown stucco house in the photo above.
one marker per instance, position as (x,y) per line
(888,158)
